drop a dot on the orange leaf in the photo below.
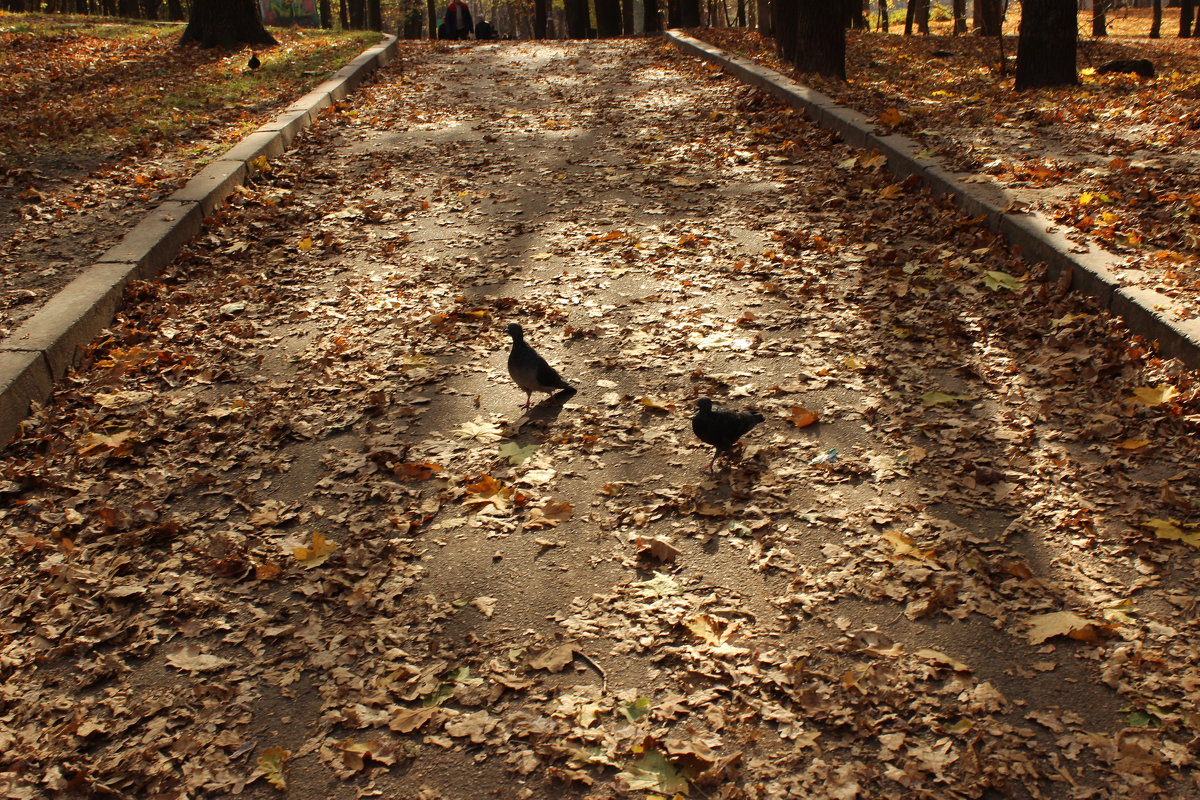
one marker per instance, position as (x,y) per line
(802,417)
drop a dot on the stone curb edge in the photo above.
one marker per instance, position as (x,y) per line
(45,346)
(1146,312)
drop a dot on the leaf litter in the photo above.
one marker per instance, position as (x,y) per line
(859,608)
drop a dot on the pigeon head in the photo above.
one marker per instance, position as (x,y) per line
(514,330)
(704,404)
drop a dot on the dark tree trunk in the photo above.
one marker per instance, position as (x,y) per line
(989,17)
(174,10)
(651,21)
(689,14)
(1156,20)
(344,16)
(225,23)
(1187,9)
(608,18)
(821,37)
(1046,46)
(628,26)
(856,16)
(374,15)
(358,14)
(765,25)
(783,21)
(910,16)
(741,13)
(127,9)
(883,16)
(326,12)
(923,16)
(577,19)
(1100,17)
(540,11)
(960,17)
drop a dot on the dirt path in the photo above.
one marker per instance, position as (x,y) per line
(564,603)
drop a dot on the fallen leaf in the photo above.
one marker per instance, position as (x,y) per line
(1154,395)
(1065,623)
(189,658)
(317,552)
(1170,530)
(269,767)
(515,453)
(802,417)
(548,516)
(555,659)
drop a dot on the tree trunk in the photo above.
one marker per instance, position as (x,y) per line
(855,15)
(989,17)
(540,12)
(628,27)
(174,10)
(960,17)
(689,14)
(783,22)
(883,16)
(741,13)
(374,15)
(765,26)
(923,16)
(608,18)
(821,37)
(225,23)
(910,16)
(1046,45)
(651,22)
(1100,17)
(1187,9)
(358,14)
(1156,20)
(577,18)
(326,11)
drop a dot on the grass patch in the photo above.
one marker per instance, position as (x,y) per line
(82,86)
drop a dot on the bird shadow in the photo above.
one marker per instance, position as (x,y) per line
(544,412)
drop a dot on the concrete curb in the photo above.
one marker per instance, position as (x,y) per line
(42,350)
(1146,312)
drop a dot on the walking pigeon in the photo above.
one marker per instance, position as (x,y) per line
(529,370)
(721,428)
(253,63)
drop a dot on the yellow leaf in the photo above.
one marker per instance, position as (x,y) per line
(892,117)
(306,244)
(853,362)
(1065,623)
(270,767)
(1169,529)
(1154,395)
(99,441)
(802,417)
(1133,444)
(654,404)
(892,191)
(1086,198)
(316,554)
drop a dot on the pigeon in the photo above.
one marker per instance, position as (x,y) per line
(721,428)
(529,370)
(253,63)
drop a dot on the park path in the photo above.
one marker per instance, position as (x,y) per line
(289,522)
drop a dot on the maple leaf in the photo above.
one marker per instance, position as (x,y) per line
(117,442)
(1169,529)
(802,417)
(489,491)
(891,117)
(317,552)
(269,766)
(713,630)
(996,280)
(1154,395)
(555,659)
(484,432)
(515,453)
(653,772)
(548,516)
(190,659)
(1065,623)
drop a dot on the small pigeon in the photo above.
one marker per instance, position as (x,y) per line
(253,63)
(529,370)
(721,428)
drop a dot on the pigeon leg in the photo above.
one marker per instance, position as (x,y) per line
(528,400)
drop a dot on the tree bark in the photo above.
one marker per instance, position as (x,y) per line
(989,17)
(374,15)
(627,18)
(821,38)
(689,14)
(923,16)
(960,17)
(608,18)
(577,19)
(225,23)
(783,22)
(540,12)
(1156,20)
(883,16)
(1100,17)
(651,21)
(1046,44)
(1187,9)
(910,16)
(765,25)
